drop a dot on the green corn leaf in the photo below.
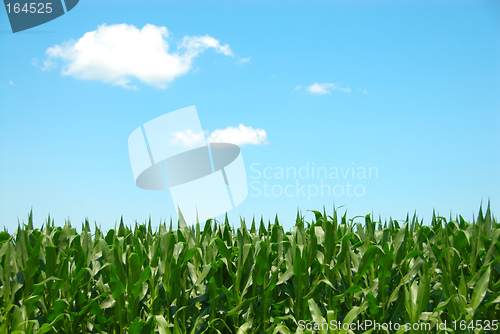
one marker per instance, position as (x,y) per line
(480,289)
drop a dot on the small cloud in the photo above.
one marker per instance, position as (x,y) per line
(244,60)
(241,135)
(364,91)
(188,138)
(119,53)
(48,64)
(194,45)
(326,88)
(6,84)
(344,90)
(299,87)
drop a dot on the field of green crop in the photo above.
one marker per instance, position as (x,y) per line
(257,278)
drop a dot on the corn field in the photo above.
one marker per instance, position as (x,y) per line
(259,279)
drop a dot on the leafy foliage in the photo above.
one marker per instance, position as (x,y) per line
(248,280)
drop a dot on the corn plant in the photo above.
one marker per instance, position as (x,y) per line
(218,278)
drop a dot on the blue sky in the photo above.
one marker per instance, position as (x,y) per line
(410,89)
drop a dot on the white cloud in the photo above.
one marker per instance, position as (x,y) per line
(240,136)
(364,91)
(326,88)
(6,84)
(188,138)
(244,60)
(116,54)
(47,64)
